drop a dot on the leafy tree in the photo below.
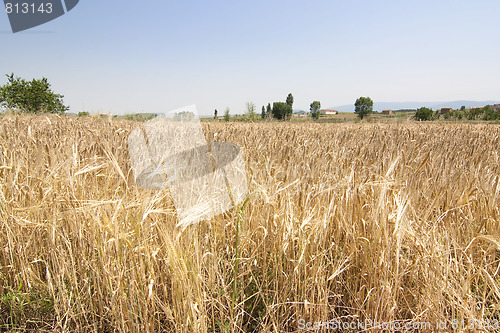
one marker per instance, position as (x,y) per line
(451,114)
(215,114)
(268,109)
(490,114)
(462,108)
(474,113)
(83,114)
(364,106)
(251,111)
(226,114)
(424,114)
(30,96)
(263,114)
(281,110)
(289,100)
(314,108)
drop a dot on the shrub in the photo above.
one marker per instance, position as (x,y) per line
(490,114)
(424,114)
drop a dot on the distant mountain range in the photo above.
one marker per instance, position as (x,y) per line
(379,106)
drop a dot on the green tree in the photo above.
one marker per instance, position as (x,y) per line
(490,114)
(251,111)
(314,108)
(289,100)
(474,113)
(30,96)
(269,110)
(424,114)
(363,107)
(281,110)
(215,114)
(263,114)
(226,114)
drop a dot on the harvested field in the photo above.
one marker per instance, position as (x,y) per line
(394,223)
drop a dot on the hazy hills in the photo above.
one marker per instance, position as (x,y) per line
(379,106)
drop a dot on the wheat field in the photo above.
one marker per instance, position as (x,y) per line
(393,223)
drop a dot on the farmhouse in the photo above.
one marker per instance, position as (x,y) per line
(445,110)
(328,111)
(387,112)
(496,107)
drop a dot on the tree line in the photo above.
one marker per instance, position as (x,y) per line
(487,112)
(36,96)
(284,110)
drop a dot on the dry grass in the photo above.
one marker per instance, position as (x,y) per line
(388,222)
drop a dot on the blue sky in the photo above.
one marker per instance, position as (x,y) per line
(153,56)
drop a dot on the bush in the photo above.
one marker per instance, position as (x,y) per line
(424,114)
(490,114)
(474,113)
(455,114)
